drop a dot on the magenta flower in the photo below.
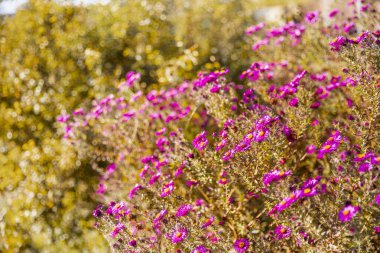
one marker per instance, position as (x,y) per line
(200,141)
(337,43)
(311,182)
(255,28)
(309,192)
(191,183)
(167,189)
(275,176)
(259,44)
(365,7)
(228,155)
(160,215)
(310,149)
(117,229)
(134,190)
(132,243)
(223,181)
(200,249)
(179,235)
(260,134)
(375,160)
(348,212)
(333,13)
(101,189)
(154,178)
(183,210)
(221,144)
(348,27)
(130,78)
(208,222)
(364,167)
(282,232)
(241,245)
(312,17)
(326,148)
(293,102)
(377,230)
(120,209)
(63,118)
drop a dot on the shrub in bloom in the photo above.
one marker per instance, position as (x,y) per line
(261,170)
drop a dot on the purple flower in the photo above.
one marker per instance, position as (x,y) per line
(101,189)
(191,183)
(377,230)
(117,229)
(255,28)
(361,157)
(200,249)
(348,212)
(348,27)
(223,181)
(183,210)
(312,17)
(241,245)
(97,212)
(365,7)
(167,189)
(228,155)
(200,141)
(259,44)
(337,43)
(375,160)
(293,102)
(315,105)
(179,235)
(310,149)
(208,222)
(364,167)
(132,243)
(309,192)
(130,78)
(154,178)
(326,148)
(260,134)
(134,191)
(311,182)
(282,232)
(221,144)
(119,209)
(63,118)
(333,13)
(160,215)
(274,176)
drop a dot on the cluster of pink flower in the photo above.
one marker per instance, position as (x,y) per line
(205,178)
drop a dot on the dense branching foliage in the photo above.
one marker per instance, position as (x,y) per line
(286,159)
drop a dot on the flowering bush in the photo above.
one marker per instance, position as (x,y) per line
(287,159)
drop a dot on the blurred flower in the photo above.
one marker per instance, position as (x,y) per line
(348,212)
